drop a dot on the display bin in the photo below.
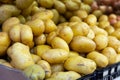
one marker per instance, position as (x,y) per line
(108,73)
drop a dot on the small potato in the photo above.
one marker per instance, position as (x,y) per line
(100,59)
(35,72)
(111,54)
(37,26)
(22,19)
(66,33)
(59,43)
(59,6)
(40,40)
(73,53)
(10,23)
(97,13)
(103,18)
(110,29)
(80,65)
(55,56)
(88,1)
(43,15)
(20,56)
(116,33)
(91,19)
(103,24)
(5,63)
(85,7)
(46,66)
(49,26)
(4,43)
(80,29)
(91,34)
(46,3)
(82,14)
(56,16)
(51,36)
(75,19)
(68,75)
(57,68)
(35,58)
(82,44)
(41,49)
(101,41)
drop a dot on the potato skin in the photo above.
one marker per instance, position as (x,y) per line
(20,56)
(55,56)
(80,65)
(82,44)
(99,58)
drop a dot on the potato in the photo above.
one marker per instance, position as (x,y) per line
(80,65)
(4,43)
(103,18)
(97,13)
(40,40)
(43,15)
(22,19)
(118,58)
(88,1)
(110,29)
(23,4)
(35,58)
(68,75)
(111,54)
(116,33)
(35,72)
(75,19)
(56,16)
(59,43)
(80,29)
(62,19)
(68,14)
(46,3)
(103,24)
(41,49)
(37,26)
(73,53)
(5,63)
(82,44)
(57,68)
(91,34)
(10,23)
(51,36)
(101,41)
(46,66)
(91,19)
(20,56)
(100,59)
(22,33)
(85,7)
(55,56)
(49,26)
(82,14)
(117,24)
(59,6)
(66,33)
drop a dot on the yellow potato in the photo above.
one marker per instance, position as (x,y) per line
(56,16)
(20,56)
(97,13)
(6,26)
(88,1)
(35,58)
(57,68)
(117,24)
(101,41)
(111,54)
(22,19)
(82,14)
(75,19)
(80,65)
(59,43)
(118,58)
(103,18)
(37,26)
(40,40)
(5,63)
(55,56)
(103,24)
(116,33)
(49,26)
(41,49)
(110,29)
(4,43)
(73,53)
(85,7)
(82,44)
(91,34)
(46,3)
(68,75)
(66,33)
(100,59)
(46,66)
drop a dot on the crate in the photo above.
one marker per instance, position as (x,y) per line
(108,73)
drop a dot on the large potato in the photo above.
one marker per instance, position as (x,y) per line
(46,66)
(35,72)
(57,68)
(20,56)
(4,43)
(59,43)
(55,56)
(100,59)
(101,41)
(111,54)
(82,44)
(37,26)
(80,65)
(68,75)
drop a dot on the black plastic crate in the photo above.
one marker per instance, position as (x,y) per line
(108,73)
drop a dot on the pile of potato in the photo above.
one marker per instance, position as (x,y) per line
(57,39)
